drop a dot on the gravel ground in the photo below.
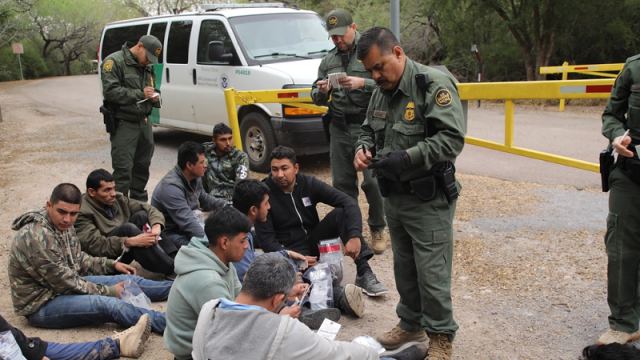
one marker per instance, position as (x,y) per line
(529,263)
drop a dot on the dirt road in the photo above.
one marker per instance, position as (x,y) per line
(529,262)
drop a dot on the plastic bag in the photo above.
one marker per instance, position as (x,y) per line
(331,254)
(133,295)
(367,340)
(199,217)
(321,296)
(9,348)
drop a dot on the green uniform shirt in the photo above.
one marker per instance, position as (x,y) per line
(397,119)
(331,64)
(123,82)
(223,172)
(625,99)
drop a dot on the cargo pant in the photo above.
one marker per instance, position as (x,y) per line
(344,176)
(131,152)
(622,242)
(422,242)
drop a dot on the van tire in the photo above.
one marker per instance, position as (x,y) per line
(258,140)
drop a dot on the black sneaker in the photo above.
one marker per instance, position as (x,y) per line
(370,284)
(314,318)
(351,300)
(409,351)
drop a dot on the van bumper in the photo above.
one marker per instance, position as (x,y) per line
(304,135)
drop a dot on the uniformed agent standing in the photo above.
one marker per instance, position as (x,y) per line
(127,78)
(623,222)
(415,129)
(347,109)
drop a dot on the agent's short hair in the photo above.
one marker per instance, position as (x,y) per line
(225,221)
(380,36)
(269,274)
(220,129)
(189,152)
(248,193)
(283,152)
(96,177)
(66,192)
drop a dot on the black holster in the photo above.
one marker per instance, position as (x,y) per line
(446,175)
(110,121)
(326,120)
(630,167)
(606,166)
(383,184)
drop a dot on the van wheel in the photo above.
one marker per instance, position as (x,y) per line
(258,140)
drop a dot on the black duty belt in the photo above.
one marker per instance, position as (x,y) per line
(354,119)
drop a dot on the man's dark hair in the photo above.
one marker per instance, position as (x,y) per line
(220,129)
(283,152)
(66,192)
(248,193)
(97,176)
(189,152)
(380,36)
(225,221)
(268,275)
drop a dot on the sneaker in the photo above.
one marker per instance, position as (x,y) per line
(378,241)
(131,341)
(352,301)
(171,277)
(314,318)
(409,351)
(370,284)
(397,337)
(440,348)
(615,336)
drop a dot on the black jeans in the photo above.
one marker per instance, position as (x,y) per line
(158,259)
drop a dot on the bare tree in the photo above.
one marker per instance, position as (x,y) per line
(9,10)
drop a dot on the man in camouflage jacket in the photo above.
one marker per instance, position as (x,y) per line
(226,165)
(46,265)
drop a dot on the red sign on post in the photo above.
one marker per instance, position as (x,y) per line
(17,48)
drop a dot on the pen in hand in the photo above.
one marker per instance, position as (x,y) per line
(624,136)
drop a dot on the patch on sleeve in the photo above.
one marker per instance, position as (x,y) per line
(635,88)
(443,97)
(107,66)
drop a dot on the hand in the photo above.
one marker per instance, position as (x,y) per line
(156,230)
(297,291)
(394,161)
(621,148)
(124,268)
(351,82)
(311,260)
(352,248)
(323,86)
(149,92)
(119,287)
(362,159)
(296,256)
(293,311)
(141,240)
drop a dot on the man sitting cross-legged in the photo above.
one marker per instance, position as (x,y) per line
(57,285)
(111,225)
(248,328)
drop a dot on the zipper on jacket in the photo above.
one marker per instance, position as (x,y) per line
(299,217)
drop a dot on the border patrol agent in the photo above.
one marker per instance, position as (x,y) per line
(415,128)
(347,110)
(623,222)
(127,78)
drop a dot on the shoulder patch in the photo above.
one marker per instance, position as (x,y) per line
(443,97)
(107,66)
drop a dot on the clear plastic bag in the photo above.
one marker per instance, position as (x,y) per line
(133,295)
(367,340)
(9,348)
(199,217)
(321,295)
(331,254)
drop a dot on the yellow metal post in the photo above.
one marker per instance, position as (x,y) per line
(229,97)
(565,75)
(508,123)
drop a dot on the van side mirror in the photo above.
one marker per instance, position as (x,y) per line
(216,52)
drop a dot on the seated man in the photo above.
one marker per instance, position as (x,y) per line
(226,165)
(293,222)
(247,328)
(50,276)
(180,196)
(111,225)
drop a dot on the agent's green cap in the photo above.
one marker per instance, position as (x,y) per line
(153,47)
(338,21)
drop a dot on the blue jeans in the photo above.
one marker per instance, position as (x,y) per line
(67,311)
(104,349)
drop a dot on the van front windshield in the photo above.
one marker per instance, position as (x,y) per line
(281,37)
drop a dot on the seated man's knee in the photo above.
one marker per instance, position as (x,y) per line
(139,218)
(129,230)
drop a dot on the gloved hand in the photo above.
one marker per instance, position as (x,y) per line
(394,161)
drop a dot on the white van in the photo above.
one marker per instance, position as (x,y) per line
(244,46)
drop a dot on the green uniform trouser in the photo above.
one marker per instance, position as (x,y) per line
(623,250)
(345,177)
(131,152)
(422,243)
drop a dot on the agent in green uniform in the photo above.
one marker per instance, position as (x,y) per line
(623,222)
(347,108)
(415,129)
(127,78)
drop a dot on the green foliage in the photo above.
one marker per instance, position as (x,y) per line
(33,65)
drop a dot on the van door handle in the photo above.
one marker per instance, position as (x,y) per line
(168,77)
(194,77)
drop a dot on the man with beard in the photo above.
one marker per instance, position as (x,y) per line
(225,164)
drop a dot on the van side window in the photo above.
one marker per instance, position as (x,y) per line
(158,30)
(214,30)
(178,42)
(114,38)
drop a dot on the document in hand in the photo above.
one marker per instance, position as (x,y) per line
(333,79)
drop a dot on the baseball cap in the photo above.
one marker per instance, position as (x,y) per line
(338,21)
(153,47)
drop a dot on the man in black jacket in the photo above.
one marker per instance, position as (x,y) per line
(293,222)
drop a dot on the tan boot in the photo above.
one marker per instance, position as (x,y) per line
(440,348)
(378,241)
(131,341)
(397,336)
(615,336)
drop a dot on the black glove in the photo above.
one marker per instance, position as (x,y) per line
(394,161)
